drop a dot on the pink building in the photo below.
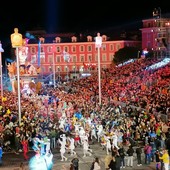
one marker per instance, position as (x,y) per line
(156,35)
(83,56)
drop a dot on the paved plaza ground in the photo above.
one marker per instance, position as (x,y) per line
(11,161)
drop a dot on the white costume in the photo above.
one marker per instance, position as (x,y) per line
(86,148)
(114,141)
(100,131)
(108,145)
(72,146)
(62,150)
(81,134)
(62,122)
(93,132)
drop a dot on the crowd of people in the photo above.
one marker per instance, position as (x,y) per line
(134,109)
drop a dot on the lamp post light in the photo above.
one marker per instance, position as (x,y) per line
(98,43)
(1,50)
(17,41)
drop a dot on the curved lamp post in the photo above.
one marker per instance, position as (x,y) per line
(1,50)
(98,43)
(17,41)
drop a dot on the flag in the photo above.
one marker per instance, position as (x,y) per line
(66,56)
(39,50)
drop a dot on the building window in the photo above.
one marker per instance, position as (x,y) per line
(149,45)
(73,49)
(104,57)
(58,68)
(42,49)
(81,48)
(33,59)
(111,47)
(42,55)
(50,49)
(58,49)
(149,36)
(66,69)
(73,68)
(117,47)
(104,47)
(89,58)
(89,48)
(33,50)
(50,59)
(74,58)
(81,58)
(50,69)
(66,49)
(58,59)
(42,60)
(111,57)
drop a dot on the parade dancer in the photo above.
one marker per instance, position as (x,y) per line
(81,134)
(24,143)
(62,150)
(62,122)
(93,133)
(36,142)
(100,132)
(86,149)
(115,140)
(108,145)
(47,145)
(63,137)
(72,146)
(76,139)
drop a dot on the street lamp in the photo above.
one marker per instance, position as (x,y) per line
(54,65)
(1,50)
(98,43)
(17,41)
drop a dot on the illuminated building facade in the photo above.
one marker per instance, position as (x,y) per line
(82,55)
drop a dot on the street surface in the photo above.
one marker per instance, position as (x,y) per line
(11,161)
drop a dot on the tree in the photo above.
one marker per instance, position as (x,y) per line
(125,54)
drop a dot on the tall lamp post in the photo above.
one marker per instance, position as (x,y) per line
(54,65)
(98,43)
(1,50)
(17,41)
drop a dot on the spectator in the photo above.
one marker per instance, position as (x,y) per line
(112,164)
(75,163)
(165,158)
(1,153)
(147,151)
(108,158)
(122,156)
(96,164)
(130,153)
(139,153)
(157,155)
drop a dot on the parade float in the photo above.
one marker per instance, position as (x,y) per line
(28,73)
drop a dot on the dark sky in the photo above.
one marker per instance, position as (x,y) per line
(74,15)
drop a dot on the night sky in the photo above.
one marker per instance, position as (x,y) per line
(56,16)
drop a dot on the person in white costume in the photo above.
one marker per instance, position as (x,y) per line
(62,150)
(81,134)
(115,140)
(100,132)
(86,149)
(71,146)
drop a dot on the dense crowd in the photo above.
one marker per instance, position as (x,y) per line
(133,102)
